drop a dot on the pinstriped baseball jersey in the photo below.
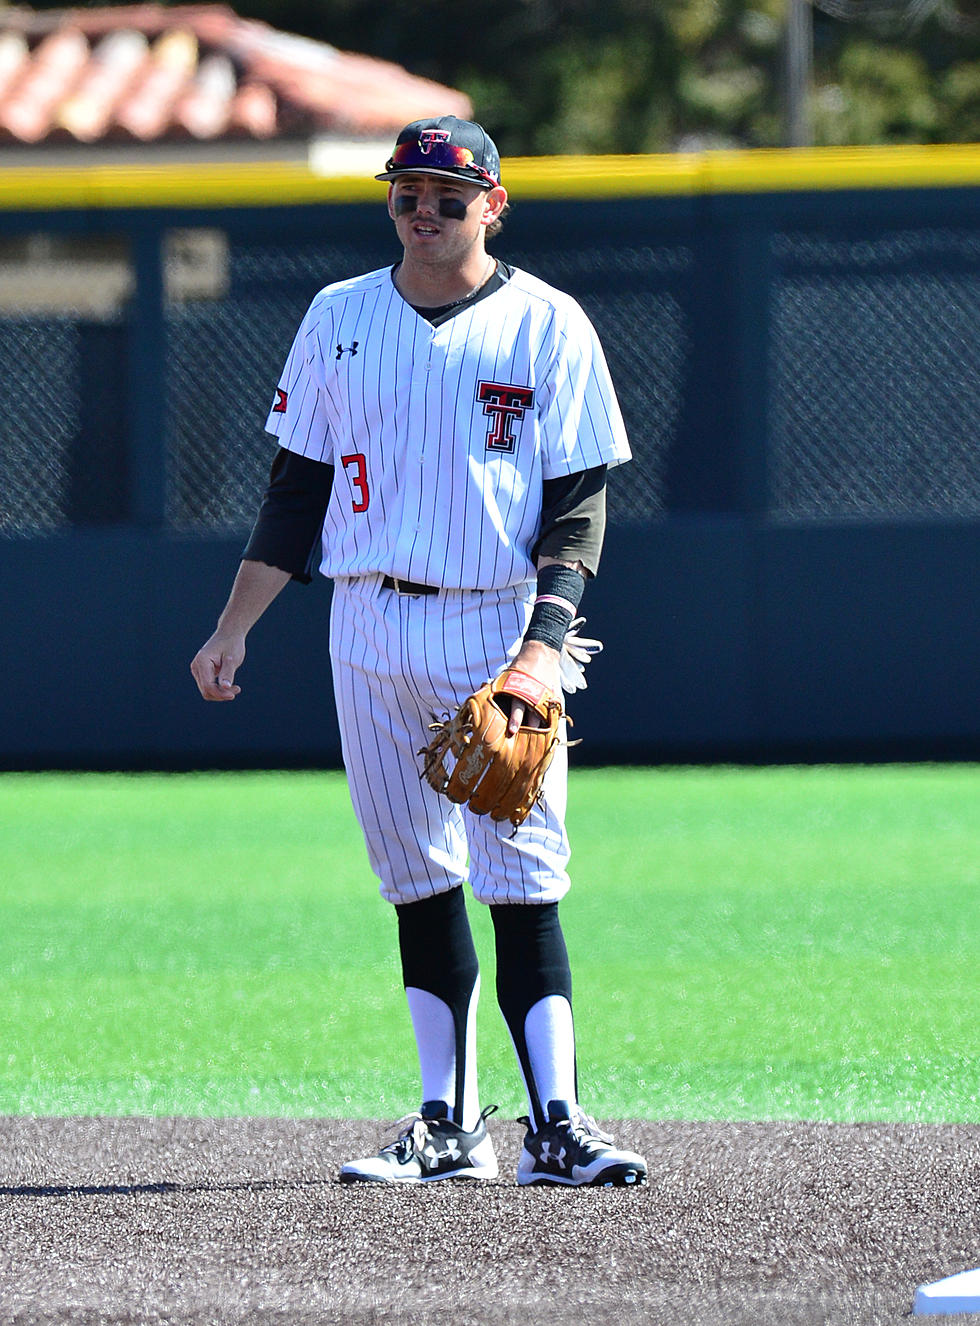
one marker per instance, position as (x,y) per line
(437,429)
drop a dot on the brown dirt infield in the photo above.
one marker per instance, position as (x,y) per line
(151,1221)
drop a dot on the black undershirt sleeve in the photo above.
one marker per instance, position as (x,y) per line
(290,521)
(573,518)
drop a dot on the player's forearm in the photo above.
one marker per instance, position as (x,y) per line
(217,661)
(559,592)
(560,587)
(256,586)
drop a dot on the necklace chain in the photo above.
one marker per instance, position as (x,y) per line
(487,273)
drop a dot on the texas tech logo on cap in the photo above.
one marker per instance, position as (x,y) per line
(430,138)
(505,405)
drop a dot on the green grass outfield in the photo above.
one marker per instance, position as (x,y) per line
(797,943)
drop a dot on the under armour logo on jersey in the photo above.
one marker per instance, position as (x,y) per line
(280,405)
(346,349)
(505,405)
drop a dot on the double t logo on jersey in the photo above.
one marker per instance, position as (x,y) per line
(505,405)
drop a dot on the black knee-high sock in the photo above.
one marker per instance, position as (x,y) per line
(532,963)
(438,956)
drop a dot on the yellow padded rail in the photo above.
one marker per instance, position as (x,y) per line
(682,174)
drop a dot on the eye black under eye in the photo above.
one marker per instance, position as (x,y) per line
(454,208)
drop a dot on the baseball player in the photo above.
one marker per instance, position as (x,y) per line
(445,427)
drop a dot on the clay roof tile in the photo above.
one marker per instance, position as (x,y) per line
(151,73)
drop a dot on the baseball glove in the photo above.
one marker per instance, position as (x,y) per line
(496,774)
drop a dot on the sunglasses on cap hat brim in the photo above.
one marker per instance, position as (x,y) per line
(446,159)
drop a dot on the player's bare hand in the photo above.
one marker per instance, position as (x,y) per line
(540,661)
(215,664)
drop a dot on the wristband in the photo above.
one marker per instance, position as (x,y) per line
(560,590)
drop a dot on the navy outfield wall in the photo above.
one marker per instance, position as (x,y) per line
(793,559)
(743,643)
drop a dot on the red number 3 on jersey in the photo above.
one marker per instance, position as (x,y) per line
(358,479)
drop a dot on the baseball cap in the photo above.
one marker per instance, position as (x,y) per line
(447,146)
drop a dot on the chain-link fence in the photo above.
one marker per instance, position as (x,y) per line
(869,342)
(39,422)
(875,373)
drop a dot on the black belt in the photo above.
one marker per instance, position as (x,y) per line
(407,586)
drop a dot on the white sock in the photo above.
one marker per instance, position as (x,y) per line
(550,1037)
(435,1037)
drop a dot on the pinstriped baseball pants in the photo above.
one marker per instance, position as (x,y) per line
(400,663)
